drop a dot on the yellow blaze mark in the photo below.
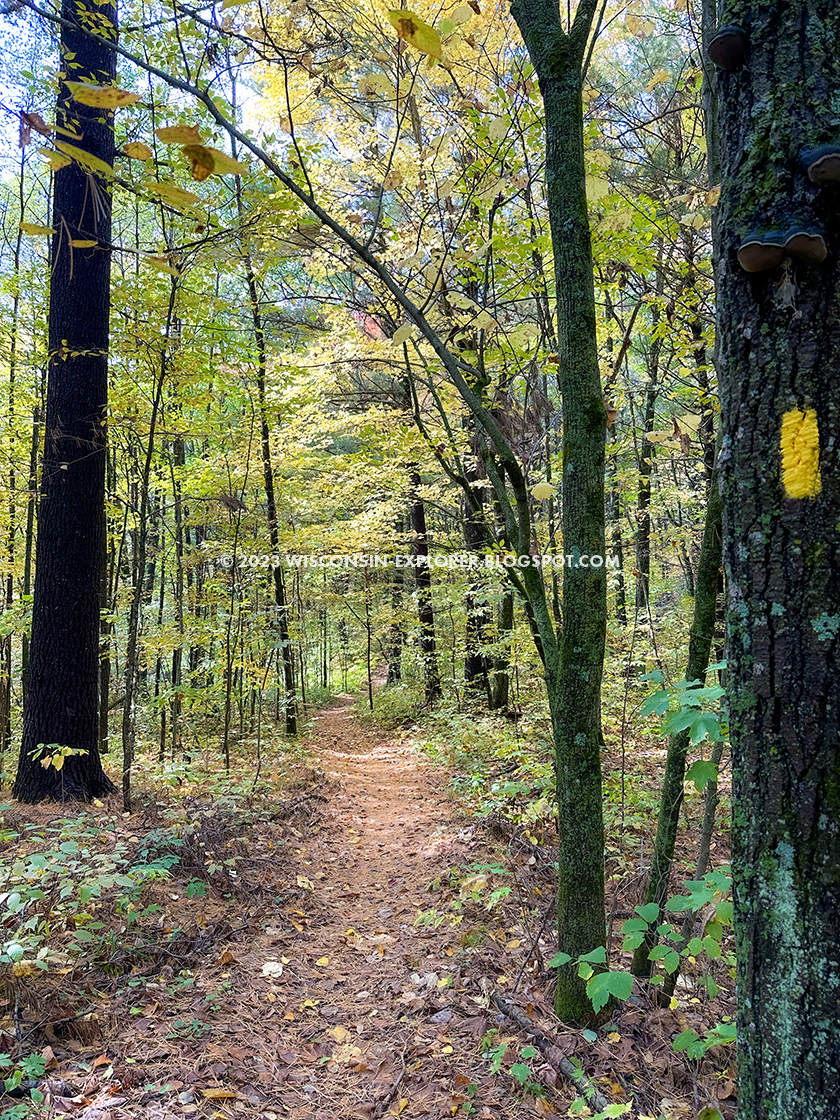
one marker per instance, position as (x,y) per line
(800,445)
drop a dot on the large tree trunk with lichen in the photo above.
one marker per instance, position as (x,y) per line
(780,464)
(574,669)
(62,702)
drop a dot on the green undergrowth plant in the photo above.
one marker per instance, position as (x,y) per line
(16,1076)
(394,706)
(501,766)
(476,887)
(710,895)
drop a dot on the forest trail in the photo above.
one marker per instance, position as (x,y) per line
(361,1013)
(300,986)
(367,1014)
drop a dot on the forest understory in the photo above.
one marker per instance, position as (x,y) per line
(340,946)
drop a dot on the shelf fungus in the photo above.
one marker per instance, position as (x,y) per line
(728,48)
(823,164)
(800,447)
(760,252)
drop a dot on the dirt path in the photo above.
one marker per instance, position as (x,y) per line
(367,1014)
(299,986)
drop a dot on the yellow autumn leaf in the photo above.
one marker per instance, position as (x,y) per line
(101,97)
(36,231)
(136,150)
(302,881)
(55,159)
(416,32)
(85,159)
(177,195)
(596,188)
(713,196)
(179,134)
(392,180)
(340,1034)
(638,27)
(233,3)
(162,265)
(542,491)
(223,164)
(201,162)
(658,78)
(58,761)
(323,961)
(219,1094)
(83,243)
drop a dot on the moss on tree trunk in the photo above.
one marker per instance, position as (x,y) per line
(781,366)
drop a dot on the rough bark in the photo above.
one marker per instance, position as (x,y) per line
(574,665)
(63,673)
(781,357)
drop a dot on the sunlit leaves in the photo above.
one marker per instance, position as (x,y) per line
(177,195)
(542,491)
(179,134)
(136,150)
(416,32)
(85,160)
(35,230)
(101,97)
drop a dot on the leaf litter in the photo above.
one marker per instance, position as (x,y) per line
(302,986)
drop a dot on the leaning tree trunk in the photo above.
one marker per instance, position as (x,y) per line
(63,676)
(780,461)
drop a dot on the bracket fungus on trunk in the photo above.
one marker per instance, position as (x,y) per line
(727,49)
(760,252)
(823,164)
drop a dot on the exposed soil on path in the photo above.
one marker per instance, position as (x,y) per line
(300,986)
(372,1015)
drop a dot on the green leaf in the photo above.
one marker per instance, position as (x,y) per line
(597,956)
(709,1113)
(650,912)
(520,1072)
(657,704)
(712,947)
(605,984)
(558,960)
(701,772)
(685,1039)
(590,1036)
(725,912)
(632,941)
(633,924)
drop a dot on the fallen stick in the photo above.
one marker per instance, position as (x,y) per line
(552,1052)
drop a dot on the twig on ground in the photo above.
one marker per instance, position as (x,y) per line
(552,1052)
(392,1092)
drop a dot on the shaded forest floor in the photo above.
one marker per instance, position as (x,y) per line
(280,970)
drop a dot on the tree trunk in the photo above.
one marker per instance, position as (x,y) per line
(423,583)
(63,674)
(573,668)
(699,648)
(780,404)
